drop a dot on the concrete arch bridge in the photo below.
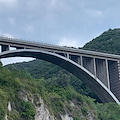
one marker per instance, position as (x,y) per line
(99,71)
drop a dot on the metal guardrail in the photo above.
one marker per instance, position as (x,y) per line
(26,41)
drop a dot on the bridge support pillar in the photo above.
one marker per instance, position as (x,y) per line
(88,63)
(81,60)
(94,67)
(101,71)
(107,72)
(114,74)
(5,48)
(68,56)
(75,58)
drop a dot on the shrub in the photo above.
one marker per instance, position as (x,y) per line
(27,110)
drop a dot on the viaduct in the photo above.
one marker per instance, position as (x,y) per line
(99,71)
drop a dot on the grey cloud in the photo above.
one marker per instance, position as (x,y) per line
(52,20)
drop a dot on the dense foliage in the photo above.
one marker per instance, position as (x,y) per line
(56,97)
(58,88)
(11,83)
(108,41)
(53,74)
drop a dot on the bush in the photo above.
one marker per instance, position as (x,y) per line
(27,110)
(108,111)
(84,111)
(1,112)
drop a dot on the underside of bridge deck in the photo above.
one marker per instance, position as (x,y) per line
(78,70)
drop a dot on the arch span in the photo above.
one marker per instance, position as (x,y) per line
(80,72)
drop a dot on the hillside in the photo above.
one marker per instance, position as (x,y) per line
(55,74)
(109,41)
(20,99)
(51,92)
(61,100)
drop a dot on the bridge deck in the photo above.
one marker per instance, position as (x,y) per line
(104,67)
(54,48)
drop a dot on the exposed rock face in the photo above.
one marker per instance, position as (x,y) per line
(42,113)
(66,117)
(9,106)
(91,116)
(24,95)
(6,117)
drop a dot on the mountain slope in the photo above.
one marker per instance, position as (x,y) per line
(108,41)
(54,74)
(62,93)
(24,92)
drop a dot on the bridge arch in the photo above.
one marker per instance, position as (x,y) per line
(104,94)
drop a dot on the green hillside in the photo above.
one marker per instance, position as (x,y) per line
(11,85)
(57,93)
(55,74)
(57,87)
(108,41)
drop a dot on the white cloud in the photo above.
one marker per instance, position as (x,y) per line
(53,3)
(32,5)
(11,60)
(40,19)
(8,3)
(29,28)
(11,20)
(94,13)
(6,61)
(99,13)
(68,42)
(59,5)
(6,35)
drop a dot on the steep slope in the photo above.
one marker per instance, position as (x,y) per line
(57,91)
(21,95)
(108,41)
(12,85)
(55,74)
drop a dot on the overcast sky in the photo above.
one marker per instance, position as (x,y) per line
(61,22)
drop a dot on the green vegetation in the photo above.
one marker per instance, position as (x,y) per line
(56,97)
(27,111)
(58,88)
(109,42)
(61,91)
(108,111)
(53,75)
(11,84)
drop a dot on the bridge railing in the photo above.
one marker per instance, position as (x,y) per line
(62,48)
